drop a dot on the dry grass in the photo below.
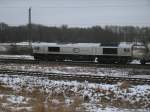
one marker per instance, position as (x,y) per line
(40,102)
(43,102)
(125,85)
(40,106)
(4,88)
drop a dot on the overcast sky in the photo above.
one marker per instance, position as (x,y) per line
(80,13)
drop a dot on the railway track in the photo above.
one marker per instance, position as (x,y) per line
(78,77)
(70,63)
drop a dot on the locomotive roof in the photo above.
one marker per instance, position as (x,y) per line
(125,44)
(121,44)
(69,44)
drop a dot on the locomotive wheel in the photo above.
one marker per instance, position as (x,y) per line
(142,62)
(123,62)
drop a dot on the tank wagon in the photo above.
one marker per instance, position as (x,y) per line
(104,53)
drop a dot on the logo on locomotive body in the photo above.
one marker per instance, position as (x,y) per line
(76,50)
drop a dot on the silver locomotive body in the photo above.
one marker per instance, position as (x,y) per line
(119,53)
(54,51)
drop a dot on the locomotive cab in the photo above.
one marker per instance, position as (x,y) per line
(139,52)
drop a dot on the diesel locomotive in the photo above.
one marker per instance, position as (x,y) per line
(123,52)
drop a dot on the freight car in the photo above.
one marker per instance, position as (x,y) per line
(104,53)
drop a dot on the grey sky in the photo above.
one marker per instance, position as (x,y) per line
(82,13)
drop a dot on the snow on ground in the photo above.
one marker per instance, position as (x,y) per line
(138,62)
(121,97)
(17,99)
(15,102)
(27,57)
(97,97)
(93,108)
(124,72)
(135,62)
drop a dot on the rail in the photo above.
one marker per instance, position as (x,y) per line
(78,77)
(77,63)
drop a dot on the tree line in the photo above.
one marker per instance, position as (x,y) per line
(65,34)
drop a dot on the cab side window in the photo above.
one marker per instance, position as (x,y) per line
(37,48)
(53,49)
(126,50)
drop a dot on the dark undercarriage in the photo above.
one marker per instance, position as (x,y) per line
(70,57)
